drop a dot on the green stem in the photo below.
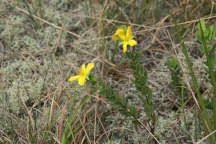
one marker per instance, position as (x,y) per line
(209,62)
(195,83)
(210,65)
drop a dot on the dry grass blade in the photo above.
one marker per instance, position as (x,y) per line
(84,128)
(204,138)
(49,23)
(44,43)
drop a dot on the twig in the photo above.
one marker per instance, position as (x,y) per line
(49,23)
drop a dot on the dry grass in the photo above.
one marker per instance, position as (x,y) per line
(44,42)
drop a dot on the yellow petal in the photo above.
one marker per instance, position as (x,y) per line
(120,33)
(132,42)
(73,78)
(125,47)
(90,66)
(129,33)
(115,37)
(82,80)
(82,71)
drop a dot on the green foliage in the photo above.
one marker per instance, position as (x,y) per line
(140,75)
(73,125)
(118,102)
(176,74)
(205,32)
(32,132)
(205,35)
(121,103)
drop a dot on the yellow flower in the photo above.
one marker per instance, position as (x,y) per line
(125,36)
(83,74)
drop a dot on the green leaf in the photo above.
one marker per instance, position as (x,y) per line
(203,26)
(205,32)
(176,74)
(133,112)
